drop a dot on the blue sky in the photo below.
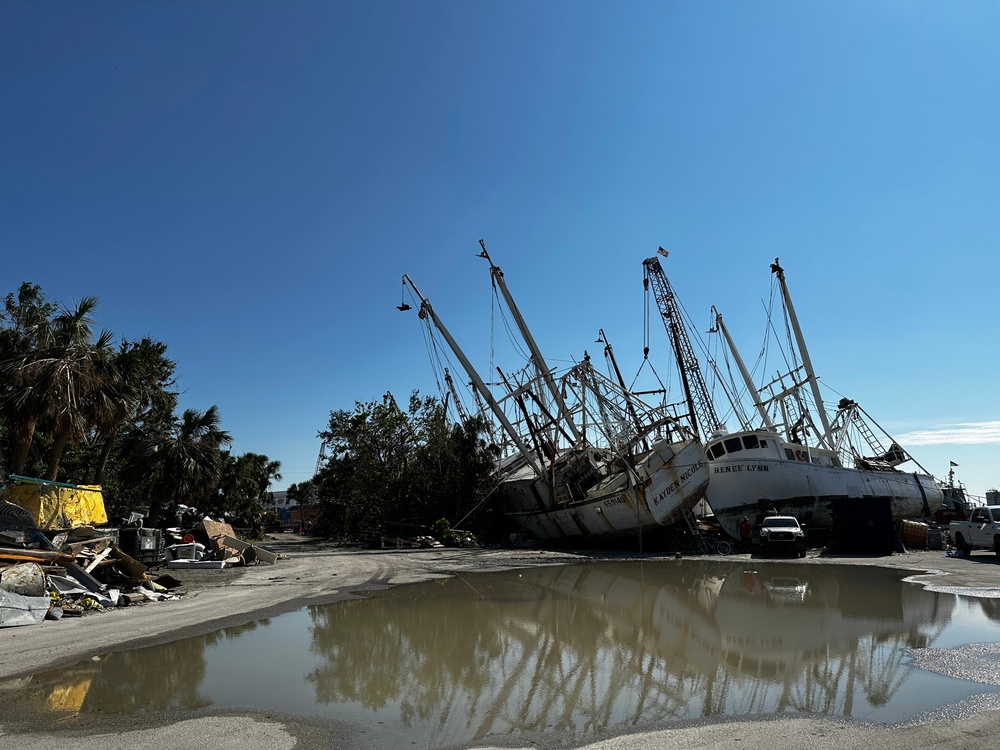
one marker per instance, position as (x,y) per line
(247,182)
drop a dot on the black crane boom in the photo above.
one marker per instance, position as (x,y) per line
(700,406)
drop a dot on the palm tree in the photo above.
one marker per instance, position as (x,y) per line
(242,491)
(179,460)
(145,377)
(62,383)
(26,329)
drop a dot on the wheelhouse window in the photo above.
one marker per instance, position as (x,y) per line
(716,450)
(733,444)
(750,442)
(789,454)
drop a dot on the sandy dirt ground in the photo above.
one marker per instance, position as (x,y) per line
(316,573)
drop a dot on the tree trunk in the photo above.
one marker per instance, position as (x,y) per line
(153,515)
(22,441)
(102,462)
(55,456)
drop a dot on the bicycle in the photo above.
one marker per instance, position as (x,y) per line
(707,545)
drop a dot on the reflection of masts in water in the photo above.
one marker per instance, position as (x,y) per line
(596,680)
(883,672)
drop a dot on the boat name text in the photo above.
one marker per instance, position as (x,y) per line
(671,488)
(740,467)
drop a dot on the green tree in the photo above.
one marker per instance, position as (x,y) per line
(365,478)
(67,381)
(388,465)
(178,460)
(242,492)
(146,377)
(25,327)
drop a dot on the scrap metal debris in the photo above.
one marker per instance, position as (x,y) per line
(69,569)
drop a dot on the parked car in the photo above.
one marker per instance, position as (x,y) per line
(981,531)
(782,534)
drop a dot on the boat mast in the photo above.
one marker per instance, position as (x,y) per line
(720,326)
(427,311)
(610,355)
(454,396)
(825,438)
(536,354)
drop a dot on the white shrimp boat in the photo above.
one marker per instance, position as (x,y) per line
(583,457)
(804,463)
(647,478)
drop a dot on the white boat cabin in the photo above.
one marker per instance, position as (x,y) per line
(768,446)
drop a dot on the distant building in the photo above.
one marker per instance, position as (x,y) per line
(290,515)
(280,501)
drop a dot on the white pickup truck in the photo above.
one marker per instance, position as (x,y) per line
(981,531)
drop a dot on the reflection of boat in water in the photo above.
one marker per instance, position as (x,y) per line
(590,647)
(753,640)
(786,590)
(829,644)
(584,456)
(802,461)
(579,650)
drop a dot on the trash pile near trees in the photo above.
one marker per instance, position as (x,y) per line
(59,558)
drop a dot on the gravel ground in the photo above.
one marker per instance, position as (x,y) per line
(316,573)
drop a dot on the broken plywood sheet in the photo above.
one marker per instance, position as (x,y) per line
(129,565)
(215,530)
(250,552)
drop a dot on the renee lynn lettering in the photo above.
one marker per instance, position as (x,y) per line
(740,467)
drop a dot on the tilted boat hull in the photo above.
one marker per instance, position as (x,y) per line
(669,480)
(756,481)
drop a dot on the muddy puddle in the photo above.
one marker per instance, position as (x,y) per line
(580,650)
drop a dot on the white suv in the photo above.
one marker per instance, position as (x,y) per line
(782,533)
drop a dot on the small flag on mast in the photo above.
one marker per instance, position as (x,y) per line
(952,463)
(663,252)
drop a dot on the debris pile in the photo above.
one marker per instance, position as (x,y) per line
(45,575)
(213,544)
(55,565)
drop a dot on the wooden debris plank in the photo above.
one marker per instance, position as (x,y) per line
(34,555)
(100,542)
(97,560)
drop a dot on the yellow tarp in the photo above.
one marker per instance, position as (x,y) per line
(55,507)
